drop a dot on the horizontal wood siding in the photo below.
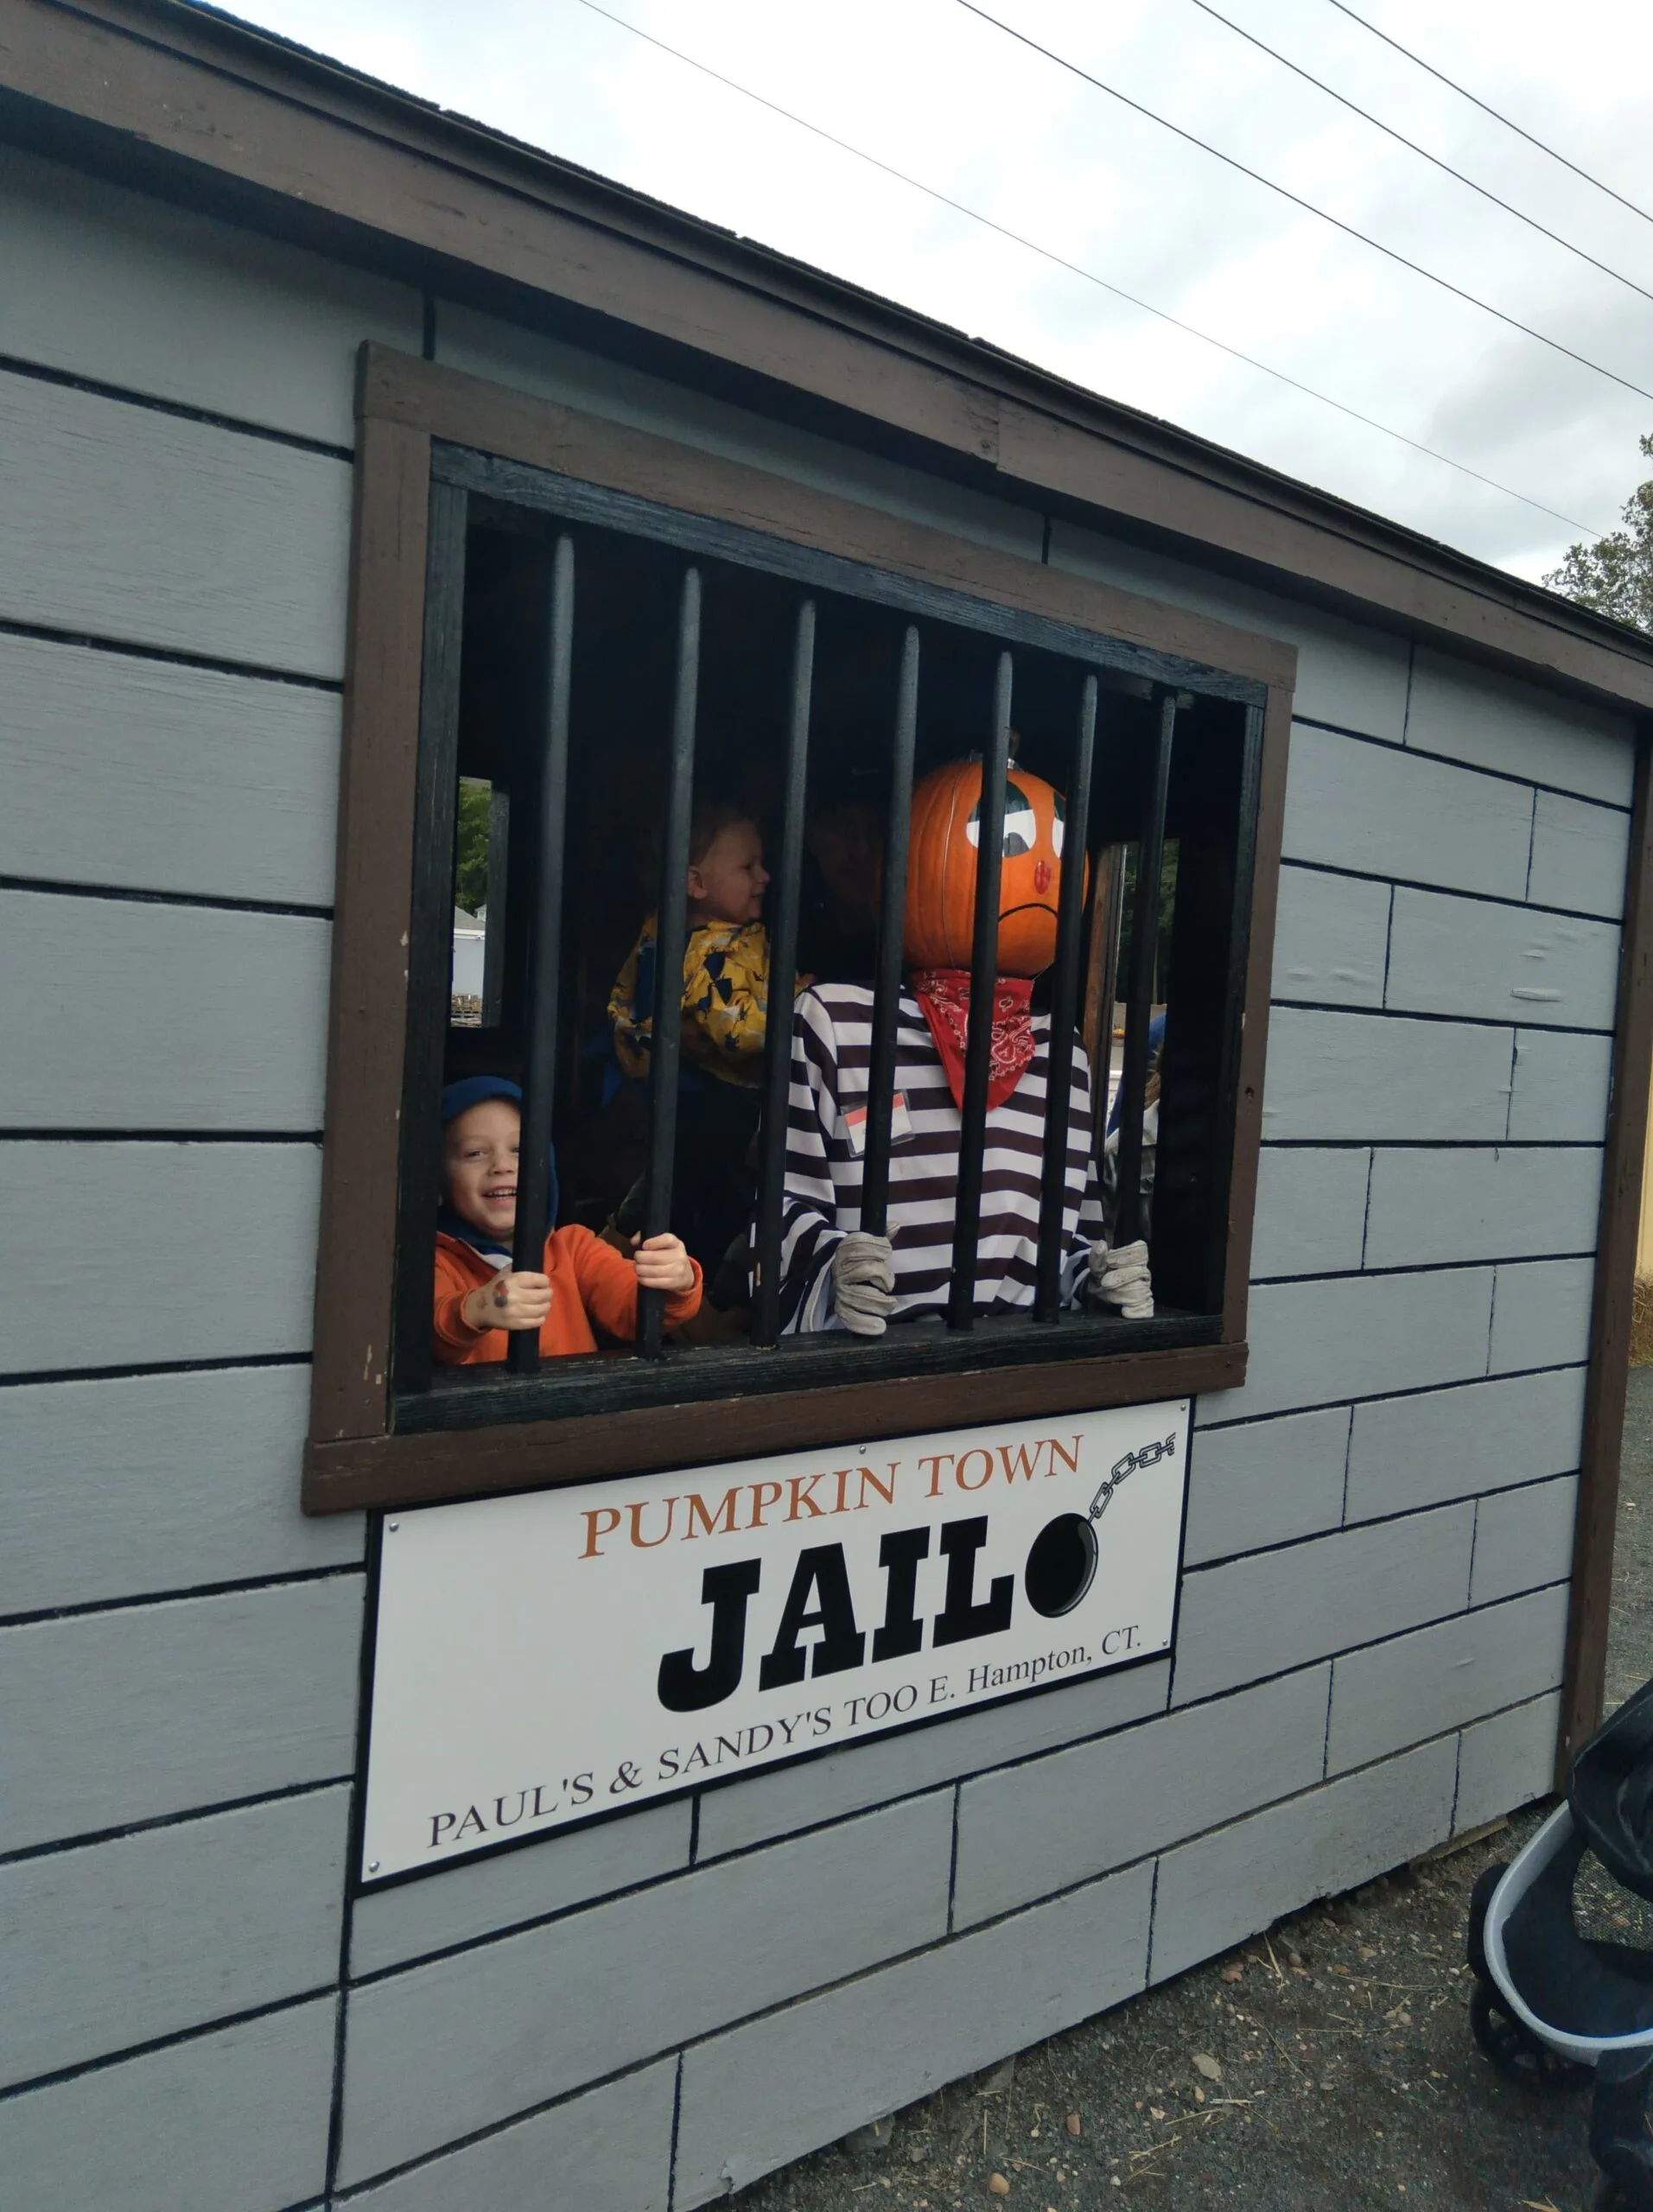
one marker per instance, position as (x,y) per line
(237,2116)
(774,2088)
(1541,1315)
(1312,1209)
(1494,722)
(209,785)
(609,2150)
(1560,1087)
(484,1897)
(1336,1077)
(1523,1538)
(1331,938)
(123,523)
(1580,856)
(1388,1696)
(1229,1884)
(1134,1793)
(1509,1759)
(1481,1202)
(138,1240)
(147,1484)
(1267,1611)
(1375,810)
(1261,1482)
(127,1016)
(125,1942)
(1430,1446)
(1489,962)
(143,1712)
(826,1788)
(173,305)
(441,2050)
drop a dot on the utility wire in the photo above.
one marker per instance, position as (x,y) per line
(1400,138)
(1464,92)
(1046,253)
(1389,251)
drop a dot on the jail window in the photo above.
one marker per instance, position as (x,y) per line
(672,890)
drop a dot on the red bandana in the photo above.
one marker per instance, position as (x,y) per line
(944,995)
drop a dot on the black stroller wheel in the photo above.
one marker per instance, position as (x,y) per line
(1516,2053)
(1612,2195)
(1618,2137)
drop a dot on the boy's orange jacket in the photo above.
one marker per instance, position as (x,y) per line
(589,1279)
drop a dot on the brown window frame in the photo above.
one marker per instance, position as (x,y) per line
(357,1456)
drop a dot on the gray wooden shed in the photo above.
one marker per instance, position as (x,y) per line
(1407,1411)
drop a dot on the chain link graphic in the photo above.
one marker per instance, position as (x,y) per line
(1133,1462)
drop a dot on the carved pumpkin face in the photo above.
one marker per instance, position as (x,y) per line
(946,831)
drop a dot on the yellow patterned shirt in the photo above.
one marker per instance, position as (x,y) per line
(725,1002)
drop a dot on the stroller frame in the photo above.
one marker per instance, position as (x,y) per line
(1554,2009)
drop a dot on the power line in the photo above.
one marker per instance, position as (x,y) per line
(1412,144)
(1464,92)
(1059,261)
(1389,251)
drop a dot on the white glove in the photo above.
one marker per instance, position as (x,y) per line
(863,1282)
(1122,1278)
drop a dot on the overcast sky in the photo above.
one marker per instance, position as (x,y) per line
(934,91)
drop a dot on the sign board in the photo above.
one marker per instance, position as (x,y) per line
(543,1660)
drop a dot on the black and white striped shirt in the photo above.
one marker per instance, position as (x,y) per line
(826,1122)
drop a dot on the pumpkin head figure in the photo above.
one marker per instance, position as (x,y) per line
(940,915)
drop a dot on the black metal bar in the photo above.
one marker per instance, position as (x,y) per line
(670,933)
(545,955)
(886,982)
(495,909)
(1064,1007)
(1139,997)
(783,968)
(430,936)
(984,972)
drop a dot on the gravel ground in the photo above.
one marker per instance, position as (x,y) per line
(1328,2063)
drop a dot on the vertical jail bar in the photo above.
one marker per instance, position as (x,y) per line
(783,967)
(1139,995)
(431,935)
(671,927)
(886,982)
(984,971)
(1064,1004)
(544,955)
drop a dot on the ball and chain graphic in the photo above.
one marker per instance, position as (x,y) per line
(1062,1561)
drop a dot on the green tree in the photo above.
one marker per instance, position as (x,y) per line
(1615,575)
(471,845)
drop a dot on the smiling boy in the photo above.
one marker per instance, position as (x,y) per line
(480,1296)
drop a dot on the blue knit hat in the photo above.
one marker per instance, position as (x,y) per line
(458,1097)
